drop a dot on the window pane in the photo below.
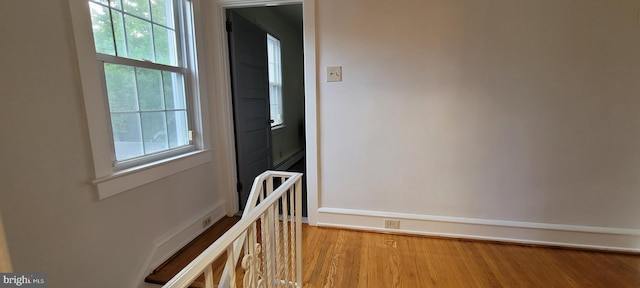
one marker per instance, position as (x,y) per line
(102,33)
(148,107)
(126,135)
(118,25)
(105,2)
(139,42)
(165,43)
(275,97)
(121,87)
(177,128)
(150,89)
(272,72)
(275,82)
(270,51)
(154,129)
(162,12)
(139,8)
(173,90)
(117,4)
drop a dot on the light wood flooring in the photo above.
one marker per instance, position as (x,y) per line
(344,258)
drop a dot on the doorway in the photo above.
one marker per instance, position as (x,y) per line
(263,142)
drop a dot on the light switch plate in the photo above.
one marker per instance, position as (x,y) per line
(334,74)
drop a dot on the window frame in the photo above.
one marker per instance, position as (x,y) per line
(154,156)
(180,67)
(275,126)
(109,179)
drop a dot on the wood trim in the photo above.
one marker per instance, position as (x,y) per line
(172,241)
(488,222)
(499,242)
(222,110)
(605,239)
(290,161)
(169,268)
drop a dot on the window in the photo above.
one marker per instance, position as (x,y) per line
(144,96)
(275,81)
(143,64)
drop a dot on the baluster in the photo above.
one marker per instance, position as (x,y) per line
(263,229)
(268,240)
(271,247)
(254,255)
(266,251)
(298,212)
(270,185)
(264,243)
(257,261)
(208,277)
(284,242)
(278,235)
(248,259)
(291,233)
(232,266)
(285,233)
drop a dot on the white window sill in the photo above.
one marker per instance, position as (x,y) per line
(128,179)
(277,127)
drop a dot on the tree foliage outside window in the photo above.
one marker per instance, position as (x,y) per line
(138,46)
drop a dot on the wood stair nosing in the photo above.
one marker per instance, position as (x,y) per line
(174,264)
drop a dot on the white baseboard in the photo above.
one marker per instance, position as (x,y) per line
(169,243)
(290,161)
(589,237)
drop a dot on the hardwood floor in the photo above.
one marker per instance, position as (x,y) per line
(344,258)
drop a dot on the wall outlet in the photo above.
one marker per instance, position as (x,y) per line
(391,224)
(206,222)
(334,74)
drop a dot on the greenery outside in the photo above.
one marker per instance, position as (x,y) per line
(147,106)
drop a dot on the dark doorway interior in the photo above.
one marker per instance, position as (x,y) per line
(287,141)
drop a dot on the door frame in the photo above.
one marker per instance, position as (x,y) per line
(221,104)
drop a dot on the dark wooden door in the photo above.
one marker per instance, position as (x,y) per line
(250,88)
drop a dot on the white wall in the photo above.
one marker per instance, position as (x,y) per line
(52,220)
(520,111)
(524,112)
(289,139)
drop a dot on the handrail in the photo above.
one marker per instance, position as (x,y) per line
(203,262)
(252,201)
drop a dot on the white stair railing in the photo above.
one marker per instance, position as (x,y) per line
(268,238)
